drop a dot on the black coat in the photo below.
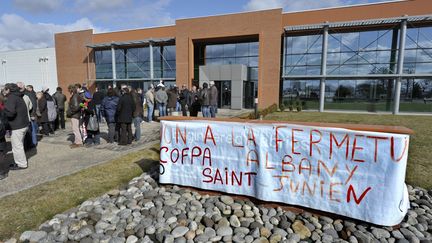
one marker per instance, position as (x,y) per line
(16,111)
(74,106)
(43,110)
(125,108)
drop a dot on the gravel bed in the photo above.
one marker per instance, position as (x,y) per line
(148,212)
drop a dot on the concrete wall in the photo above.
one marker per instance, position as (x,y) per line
(25,66)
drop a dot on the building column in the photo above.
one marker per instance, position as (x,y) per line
(151,62)
(400,63)
(113,65)
(323,68)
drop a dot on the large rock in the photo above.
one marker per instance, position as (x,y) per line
(300,229)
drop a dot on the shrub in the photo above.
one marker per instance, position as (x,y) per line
(282,107)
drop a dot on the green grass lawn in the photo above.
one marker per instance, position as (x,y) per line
(28,209)
(419,169)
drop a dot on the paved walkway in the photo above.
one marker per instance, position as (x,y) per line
(55,159)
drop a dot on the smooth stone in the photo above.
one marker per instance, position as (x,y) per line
(132,239)
(209,232)
(234,221)
(224,231)
(264,232)
(380,233)
(179,231)
(275,238)
(227,200)
(37,236)
(300,229)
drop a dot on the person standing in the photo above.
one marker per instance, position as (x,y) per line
(108,111)
(74,112)
(137,114)
(60,100)
(149,97)
(28,141)
(42,113)
(3,149)
(34,127)
(184,98)
(52,110)
(205,101)
(97,99)
(18,119)
(213,95)
(125,109)
(161,98)
(172,100)
(194,102)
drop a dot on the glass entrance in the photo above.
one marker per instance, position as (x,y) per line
(224,94)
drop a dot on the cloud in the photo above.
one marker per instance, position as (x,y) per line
(86,6)
(126,14)
(295,5)
(17,33)
(38,6)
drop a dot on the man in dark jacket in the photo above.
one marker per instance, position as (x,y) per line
(172,99)
(17,115)
(60,100)
(125,110)
(108,110)
(74,113)
(97,99)
(184,100)
(213,95)
(33,117)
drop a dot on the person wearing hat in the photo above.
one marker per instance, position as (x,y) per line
(74,112)
(18,119)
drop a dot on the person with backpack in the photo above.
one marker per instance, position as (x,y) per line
(51,108)
(205,101)
(18,120)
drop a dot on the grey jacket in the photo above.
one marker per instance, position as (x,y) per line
(205,97)
(213,96)
(149,96)
(60,100)
(161,97)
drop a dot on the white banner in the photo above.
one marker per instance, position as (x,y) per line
(352,173)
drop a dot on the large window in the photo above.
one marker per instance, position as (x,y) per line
(418,51)
(416,95)
(304,91)
(363,95)
(103,64)
(303,55)
(134,63)
(245,53)
(237,53)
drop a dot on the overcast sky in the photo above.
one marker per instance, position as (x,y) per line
(26,24)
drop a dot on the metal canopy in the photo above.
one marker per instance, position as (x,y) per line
(359,23)
(132,43)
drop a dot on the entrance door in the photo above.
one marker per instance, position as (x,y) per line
(224,94)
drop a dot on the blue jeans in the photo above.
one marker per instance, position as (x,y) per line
(137,124)
(213,110)
(150,108)
(162,109)
(205,110)
(34,132)
(98,112)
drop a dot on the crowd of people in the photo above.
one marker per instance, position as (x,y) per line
(26,114)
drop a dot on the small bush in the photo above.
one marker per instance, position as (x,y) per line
(282,107)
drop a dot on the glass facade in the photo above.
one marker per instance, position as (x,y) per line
(134,63)
(245,53)
(366,54)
